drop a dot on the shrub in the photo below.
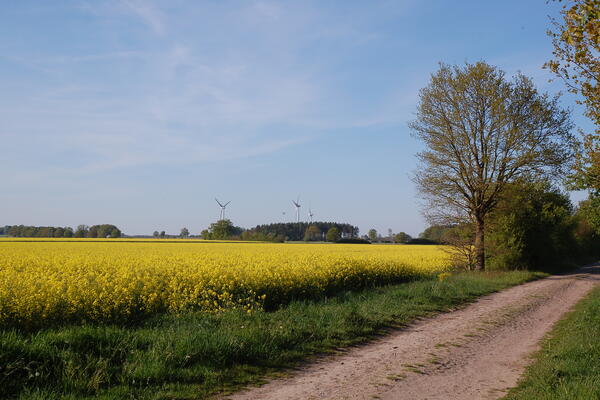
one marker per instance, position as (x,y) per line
(353,241)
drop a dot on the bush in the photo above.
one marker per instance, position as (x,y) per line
(421,241)
(353,241)
(532,228)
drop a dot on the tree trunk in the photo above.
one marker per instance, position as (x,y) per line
(479,245)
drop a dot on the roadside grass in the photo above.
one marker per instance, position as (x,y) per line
(194,355)
(568,365)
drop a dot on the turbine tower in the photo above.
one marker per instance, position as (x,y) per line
(297,205)
(222,217)
(310,214)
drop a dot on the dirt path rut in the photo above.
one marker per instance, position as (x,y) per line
(474,353)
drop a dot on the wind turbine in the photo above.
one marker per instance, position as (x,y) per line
(310,214)
(297,205)
(222,208)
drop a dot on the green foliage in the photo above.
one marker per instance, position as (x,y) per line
(184,232)
(262,237)
(294,231)
(567,367)
(313,233)
(82,231)
(372,235)
(103,231)
(353,241)
(587,233)
(222,230)
(333,234)
(402,237)
(576,41)
(482,131)
(195,354)
(590,211)
(532,227)
(435,233)
(421,241)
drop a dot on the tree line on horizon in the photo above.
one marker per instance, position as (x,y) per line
(82,231)
(281,231)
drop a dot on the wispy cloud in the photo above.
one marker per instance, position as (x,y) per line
(199,94)
(148,13)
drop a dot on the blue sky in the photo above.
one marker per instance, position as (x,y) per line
(139,113)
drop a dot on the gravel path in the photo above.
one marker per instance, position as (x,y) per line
(477,352)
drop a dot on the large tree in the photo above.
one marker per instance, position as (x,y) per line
(482,131)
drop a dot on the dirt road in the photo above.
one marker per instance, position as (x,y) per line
(475,353)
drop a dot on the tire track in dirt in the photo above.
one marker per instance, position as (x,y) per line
(477,352)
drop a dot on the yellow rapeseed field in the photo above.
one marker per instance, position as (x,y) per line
(88,280)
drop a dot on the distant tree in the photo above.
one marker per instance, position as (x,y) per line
(390,234)
(115,233)
(162,234)
(100,231)
(205,234)
(92,232)
(224,229)
(184,232)
(435,233)
(333,234)
(44,231)
(313,233)
(103,231)
(295,231)
(402,237)
(81,231)
(372,235)
(36,231)
(481,132)
(155,234)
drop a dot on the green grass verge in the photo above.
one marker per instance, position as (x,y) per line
(193,355)
(568,366)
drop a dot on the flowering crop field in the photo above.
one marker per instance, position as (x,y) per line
(44,281)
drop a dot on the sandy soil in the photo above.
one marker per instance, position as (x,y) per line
(477,352)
